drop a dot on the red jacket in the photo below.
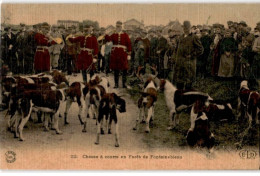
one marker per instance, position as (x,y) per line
(89,49)
(121,48)
(42,56)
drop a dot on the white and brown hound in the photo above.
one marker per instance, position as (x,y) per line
(108,106)
(178,100)
(147,101)
(47,101)
(249,103)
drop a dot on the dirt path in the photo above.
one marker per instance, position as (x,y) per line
(72,136)
(46,150)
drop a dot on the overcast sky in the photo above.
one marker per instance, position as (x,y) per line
(151,14)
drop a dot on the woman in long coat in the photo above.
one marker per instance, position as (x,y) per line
(228,48)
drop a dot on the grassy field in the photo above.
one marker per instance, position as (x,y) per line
(226,134)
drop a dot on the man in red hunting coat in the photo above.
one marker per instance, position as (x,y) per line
(42,55)
(120,53)
(88,52)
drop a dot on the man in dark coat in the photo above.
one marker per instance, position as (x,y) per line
(206,41)
(21,48)
(9,42)
(189,49)
(142,52)
(71,50)
(120,54)
(160,51)
(153,45)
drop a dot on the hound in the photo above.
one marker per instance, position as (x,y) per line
(47,101)
(248,103)
(147,101)
(199,133)
(178,100)
(108,106)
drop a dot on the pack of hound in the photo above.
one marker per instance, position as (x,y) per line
(47,91)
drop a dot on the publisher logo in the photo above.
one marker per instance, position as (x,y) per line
(247,154)
(10,156)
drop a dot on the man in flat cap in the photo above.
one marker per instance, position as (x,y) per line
(120,54)
(88,52)
(189,49)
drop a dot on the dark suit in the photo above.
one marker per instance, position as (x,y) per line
(10,58)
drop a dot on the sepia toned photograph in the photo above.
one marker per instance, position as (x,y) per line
(130,86)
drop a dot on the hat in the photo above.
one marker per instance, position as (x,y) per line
(217,25)
(186,24)
(229,22)
(205,28)
(119,23)
(243,23)
(7,28)
(45,25)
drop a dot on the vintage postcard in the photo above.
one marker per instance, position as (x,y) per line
(130,86)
